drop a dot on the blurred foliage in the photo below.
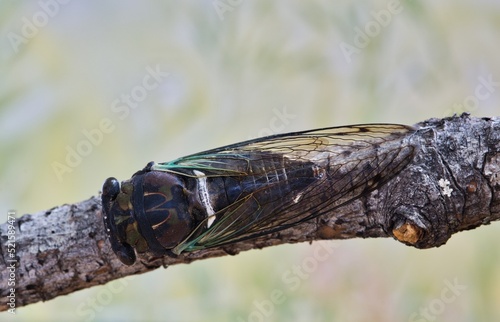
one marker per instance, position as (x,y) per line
(234,69)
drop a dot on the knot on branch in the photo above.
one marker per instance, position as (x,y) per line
(408,233)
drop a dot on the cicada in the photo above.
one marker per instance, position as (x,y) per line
(249,189)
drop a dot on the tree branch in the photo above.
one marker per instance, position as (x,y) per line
(452,184)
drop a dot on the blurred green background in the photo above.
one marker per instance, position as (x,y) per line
(80,76)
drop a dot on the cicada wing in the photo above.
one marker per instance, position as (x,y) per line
(312,145)
(349,161)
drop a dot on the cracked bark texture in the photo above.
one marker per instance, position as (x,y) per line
(451,185)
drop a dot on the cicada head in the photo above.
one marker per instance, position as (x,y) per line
(150,212)
(117,217)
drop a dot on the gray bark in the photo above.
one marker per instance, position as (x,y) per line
(452,184)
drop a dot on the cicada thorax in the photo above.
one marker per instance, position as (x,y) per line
(152,212)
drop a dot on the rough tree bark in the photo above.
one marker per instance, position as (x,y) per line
(452,184)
